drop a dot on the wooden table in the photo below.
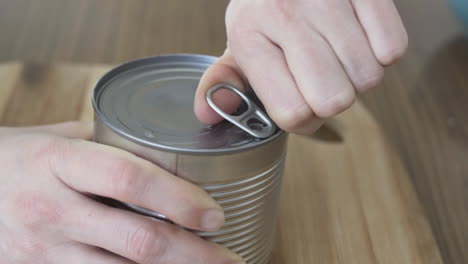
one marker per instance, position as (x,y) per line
(422,103)
(345,198)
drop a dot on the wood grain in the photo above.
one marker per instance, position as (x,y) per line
(109,31)
(343,201)
(421,104)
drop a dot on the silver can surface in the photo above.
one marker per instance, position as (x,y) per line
(146,107)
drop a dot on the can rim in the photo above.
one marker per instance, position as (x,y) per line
(116,71)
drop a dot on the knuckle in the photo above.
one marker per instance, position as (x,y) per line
(395,51)
(49,150)
(370,79)
(145,245)
(283,11)
(124,177)
(240,32)
(335,104)
(293,118)
(238,21)
(34,211)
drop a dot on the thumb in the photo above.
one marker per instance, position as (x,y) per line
(71,129)
(224,70)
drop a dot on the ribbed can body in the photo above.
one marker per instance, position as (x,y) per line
(246,184)
(250,206)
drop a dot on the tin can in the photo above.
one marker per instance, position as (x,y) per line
(146,107)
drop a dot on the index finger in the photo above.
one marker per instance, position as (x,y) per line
(110,172)
(224,70)
(139,238)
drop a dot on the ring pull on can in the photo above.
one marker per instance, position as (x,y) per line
(253,120)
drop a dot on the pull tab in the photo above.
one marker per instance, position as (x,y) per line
(253,121)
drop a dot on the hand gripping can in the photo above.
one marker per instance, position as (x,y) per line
(146,107)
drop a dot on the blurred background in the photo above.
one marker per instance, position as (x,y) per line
(422,104)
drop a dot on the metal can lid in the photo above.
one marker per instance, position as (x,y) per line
(150,101)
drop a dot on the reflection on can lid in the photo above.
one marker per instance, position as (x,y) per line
(150,101)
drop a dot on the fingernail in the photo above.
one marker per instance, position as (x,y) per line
(238,261)
(212,220)
(235,259)
(231,257)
